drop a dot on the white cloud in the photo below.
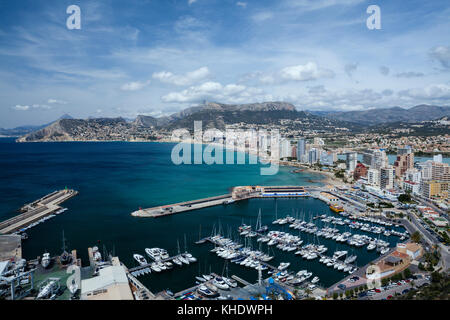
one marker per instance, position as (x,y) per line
(56,101)
(191,1)
(434,92)
(441,54)
(308,71)
(134,86)
(188,78)
(32,107)
(21,108)
(230,93)
(241,4)
(409,74)
(262,16)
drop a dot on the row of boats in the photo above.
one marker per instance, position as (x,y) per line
(161,261)
(213,283)
(42,220)
(245,256)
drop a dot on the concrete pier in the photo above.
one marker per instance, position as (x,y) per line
(36,210)
(182,207)
(238,194)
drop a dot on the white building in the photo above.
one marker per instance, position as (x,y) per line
(351,161)
(373,177)
(285,149)
(110,284)
(412,187)
(375,158)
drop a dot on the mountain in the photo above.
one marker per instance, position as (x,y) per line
(212,115)
(23,130)
(395,114)
(103,129)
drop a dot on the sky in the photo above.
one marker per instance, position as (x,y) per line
(157,57)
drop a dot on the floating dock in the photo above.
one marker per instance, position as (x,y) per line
(239,193)
(37,210)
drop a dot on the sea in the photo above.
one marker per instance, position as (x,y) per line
(116,178)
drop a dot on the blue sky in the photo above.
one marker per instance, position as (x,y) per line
(157,57)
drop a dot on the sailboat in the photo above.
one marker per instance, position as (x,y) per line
(65,257)
(259,227)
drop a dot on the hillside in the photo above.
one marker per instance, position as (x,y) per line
(395,114)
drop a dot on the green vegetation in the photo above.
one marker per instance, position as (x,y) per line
(416,237)
(405,198)
(339,174)
(437,290)
(431,259)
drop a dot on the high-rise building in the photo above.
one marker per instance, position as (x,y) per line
(387,178)
(412,175)
(313,155)
(431,170)
(327,158)
(437,158)
(373,177)
(431,189)
(375,158)
(351,161)
(294,151)
(405,161)
(301,149)
(285,148)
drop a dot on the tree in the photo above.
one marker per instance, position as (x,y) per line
(335,295)
(404,198)
(416,237)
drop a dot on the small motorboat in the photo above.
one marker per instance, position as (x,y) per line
(140,259)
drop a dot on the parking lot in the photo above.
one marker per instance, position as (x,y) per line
(401,287)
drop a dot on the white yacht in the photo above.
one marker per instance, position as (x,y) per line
(155,267)
(189,257)
(220,283)
(315,280)
(283,265)
(140,259)
(177,261)
(45,262)
(183,259)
